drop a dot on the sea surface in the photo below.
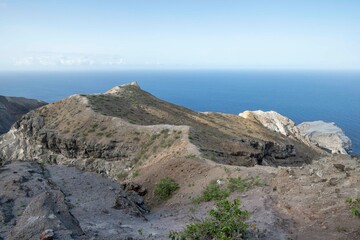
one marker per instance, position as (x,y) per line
(332,96)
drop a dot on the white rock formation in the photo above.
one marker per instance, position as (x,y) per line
(326,135)
(273,121)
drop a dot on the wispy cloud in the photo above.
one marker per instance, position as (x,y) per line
(68,60)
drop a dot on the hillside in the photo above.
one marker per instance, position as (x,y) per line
(128,136)
(12,108)
(128,126)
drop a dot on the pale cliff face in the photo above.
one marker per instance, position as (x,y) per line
(273,121)
(318,133)
(326,135)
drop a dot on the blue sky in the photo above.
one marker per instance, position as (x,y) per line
(89,34)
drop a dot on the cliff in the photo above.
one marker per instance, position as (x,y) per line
(326,135)
(318,133)
(12,108)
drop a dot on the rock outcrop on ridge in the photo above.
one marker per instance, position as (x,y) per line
(326,135)
(12,108)
(273,121)
(318,133)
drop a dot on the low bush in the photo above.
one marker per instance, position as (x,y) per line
(165,188)
(225,222)
(355,206)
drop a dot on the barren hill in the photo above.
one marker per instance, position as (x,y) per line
(128,126)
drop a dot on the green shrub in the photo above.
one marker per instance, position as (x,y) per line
(213,191)
(165,188)
(355,206)
(225,222)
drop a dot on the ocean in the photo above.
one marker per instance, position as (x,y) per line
(332,96)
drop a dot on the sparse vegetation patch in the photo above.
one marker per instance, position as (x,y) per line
(225,222)
(165,188)
(213,191)
(241,185)
(355,206)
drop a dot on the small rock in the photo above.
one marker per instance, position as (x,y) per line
(332,181)
(48,234)
(219,182)
(291,171)
(339,167)
(105,211)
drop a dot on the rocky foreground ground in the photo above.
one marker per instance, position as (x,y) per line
(294,203)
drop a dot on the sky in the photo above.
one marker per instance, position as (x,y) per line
(118,34)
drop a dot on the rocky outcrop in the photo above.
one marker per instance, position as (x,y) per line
(12,108)
(326,135)
(273,121)
(59,202)
(46,211)
(119,89)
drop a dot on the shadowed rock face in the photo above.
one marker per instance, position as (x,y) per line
(12,108)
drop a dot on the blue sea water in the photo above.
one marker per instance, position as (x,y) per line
(332,96)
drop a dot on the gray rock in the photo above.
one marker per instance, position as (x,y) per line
(326,135)
(46,211)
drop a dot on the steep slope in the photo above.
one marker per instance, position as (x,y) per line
(12,108)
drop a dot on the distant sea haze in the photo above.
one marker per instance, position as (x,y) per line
(332,96)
